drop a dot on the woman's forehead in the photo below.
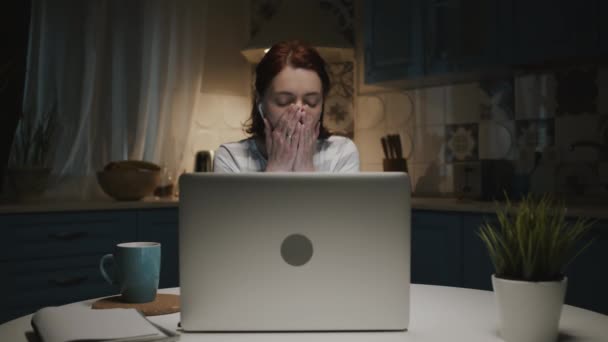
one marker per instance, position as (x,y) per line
(296,81)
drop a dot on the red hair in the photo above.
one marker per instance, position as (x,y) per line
(295,54)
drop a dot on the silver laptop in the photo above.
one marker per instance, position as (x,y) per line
(294,252)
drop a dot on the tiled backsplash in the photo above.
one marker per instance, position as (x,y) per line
(533,120)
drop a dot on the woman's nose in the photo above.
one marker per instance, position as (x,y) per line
(301,105)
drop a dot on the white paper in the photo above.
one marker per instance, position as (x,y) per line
(78,322)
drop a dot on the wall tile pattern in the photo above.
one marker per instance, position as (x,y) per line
(553,126)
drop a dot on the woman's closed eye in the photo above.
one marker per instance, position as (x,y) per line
(312,100)
(284,100)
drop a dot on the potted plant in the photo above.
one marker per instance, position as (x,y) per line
(530,247)
(29,170)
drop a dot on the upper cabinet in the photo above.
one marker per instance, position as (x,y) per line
(460,35)
(393,40)
(554,30)
(602,40)
(442,40)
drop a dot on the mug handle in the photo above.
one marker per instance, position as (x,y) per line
(102,267)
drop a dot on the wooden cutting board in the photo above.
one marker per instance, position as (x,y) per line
(162,305)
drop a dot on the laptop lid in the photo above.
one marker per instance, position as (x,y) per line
(294,252)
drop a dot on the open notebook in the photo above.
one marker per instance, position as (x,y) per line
(81,323)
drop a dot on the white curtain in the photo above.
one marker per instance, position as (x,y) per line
(124,76)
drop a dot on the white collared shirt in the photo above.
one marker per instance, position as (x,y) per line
(334,154)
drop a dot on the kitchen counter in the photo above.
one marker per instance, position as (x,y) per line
(90,205)
(591,210)
(579,208)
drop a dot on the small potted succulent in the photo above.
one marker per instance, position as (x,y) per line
(29,170)
(530,247)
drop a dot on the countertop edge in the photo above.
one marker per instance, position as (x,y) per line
(418,203)
(93,205)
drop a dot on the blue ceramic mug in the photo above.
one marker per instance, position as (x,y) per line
(136,270)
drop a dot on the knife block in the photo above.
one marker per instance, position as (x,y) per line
(394,164)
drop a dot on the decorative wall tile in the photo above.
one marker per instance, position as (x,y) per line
(575,178)
(446,172)
(526,160)
(430,104)
(535,96)
(535,134)
(496,140)
(571,130)
(543,180)
(496,99)
(406,134)
(550,154)
(369,145)
(467,179)
(432,179)
(370,113)
(576,91)
(338,116)
(461,142)
(399,108)
(429,144)
(463,103)
(339,105)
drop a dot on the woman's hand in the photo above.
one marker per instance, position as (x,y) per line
(308,132)
(282,141)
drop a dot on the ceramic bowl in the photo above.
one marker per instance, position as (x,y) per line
(129,183)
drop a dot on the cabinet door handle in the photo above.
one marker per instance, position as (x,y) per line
(66,236)
(65,282)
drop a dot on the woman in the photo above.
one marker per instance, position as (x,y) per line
(286,125)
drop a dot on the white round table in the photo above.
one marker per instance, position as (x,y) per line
(437,313)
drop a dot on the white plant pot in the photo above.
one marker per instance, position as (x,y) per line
(529,311)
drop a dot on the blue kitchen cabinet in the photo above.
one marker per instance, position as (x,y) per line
(587,274)
(477,266)
(48,235)
(446,250)
(602,42)
(52,258)
(436,248)
(161,225)
(437,42)
(461,35)
(35,283)
(414,39)
(546,31)
(393,40)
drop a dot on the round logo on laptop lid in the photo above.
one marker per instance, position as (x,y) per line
(296,250)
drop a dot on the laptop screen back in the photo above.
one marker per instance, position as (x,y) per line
(294,252)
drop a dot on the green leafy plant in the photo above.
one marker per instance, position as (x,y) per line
(33,140)
(533,241)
